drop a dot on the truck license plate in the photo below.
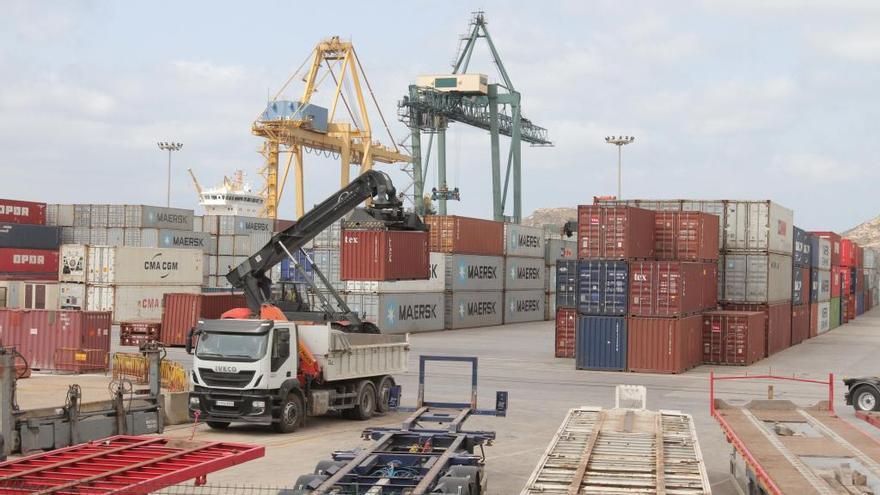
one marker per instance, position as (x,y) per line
(225,403)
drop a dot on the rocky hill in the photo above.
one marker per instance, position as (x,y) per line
(550,216)
(866,234)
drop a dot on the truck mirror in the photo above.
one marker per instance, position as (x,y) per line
(189,340)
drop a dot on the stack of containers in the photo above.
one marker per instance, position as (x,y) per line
(870,271)
(233,239)
(28,256)
(555,248)
(77,341)
(837,271)
(566,307)
(667,295)
(524,273)
(608,239)
(800,285)
(820,285)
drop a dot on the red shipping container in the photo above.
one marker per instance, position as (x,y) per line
(685,236)
(834,239)
(847,252)
(463,235)
(384,255)
(814,320)
(800,323)
(860,280)
(733,337)
(38,333)
(565,331)
(81,360)
(28,264)
(615,232)
(664,345)
(671,288)
(181,312)
(137,333)
(14,211)
(777,324)
(850,307)
(837,274)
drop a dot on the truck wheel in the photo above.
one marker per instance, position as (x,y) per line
(366,402)
(383,394)
(866,399)
(302,485)
(329,467)
(453,486)
(471,473)
(218,425)
(291,415)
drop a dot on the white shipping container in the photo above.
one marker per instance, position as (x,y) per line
(468,272)
(242,245)
(460,83)
(64,215)
(71,295)
(82,235)
(824,314)
(99,297)
(225,264)
(198,223)
(156,217)
(134,302)
(524,273)
(756,278)
(144,266)
(226,245)
(238,225)
(758,226)
(400,313)
(187,240)
(115,236)
(116,216)
(206,265)
(67,235)
(210,225)
(73,263)
(474,309)
(524,241)
(23,294)
(435,283)
(98,236)
(823,255)
(559,249)
(82,215)
(100,216)
(147,238)
(524,305)
(823,285)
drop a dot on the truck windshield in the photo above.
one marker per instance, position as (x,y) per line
(232,346)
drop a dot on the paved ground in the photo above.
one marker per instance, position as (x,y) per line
(519,359)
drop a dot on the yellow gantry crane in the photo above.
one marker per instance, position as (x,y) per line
(296,126)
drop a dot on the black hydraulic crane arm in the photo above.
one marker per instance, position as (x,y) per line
(386,210)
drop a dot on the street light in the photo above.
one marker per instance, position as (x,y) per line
(620,142)
(169,147)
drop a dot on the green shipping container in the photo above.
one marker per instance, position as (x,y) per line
(835,312)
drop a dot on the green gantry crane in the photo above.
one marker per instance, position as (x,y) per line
(431,105)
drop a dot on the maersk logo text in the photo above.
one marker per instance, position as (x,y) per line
(256,226)
(186,241)
(524,306)
(480,308)
(525,273)
(171,218)
(525,240)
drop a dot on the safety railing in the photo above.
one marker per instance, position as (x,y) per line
(136,367)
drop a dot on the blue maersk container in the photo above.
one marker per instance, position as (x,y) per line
(600,343)
(289,273)
(802,248)
(603,287)
(566,283)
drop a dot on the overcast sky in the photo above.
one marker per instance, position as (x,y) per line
(747,99)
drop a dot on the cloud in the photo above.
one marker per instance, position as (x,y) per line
(816,168)
(739,106)
(203,73)
(859,46)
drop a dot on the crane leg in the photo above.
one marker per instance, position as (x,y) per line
(298,177)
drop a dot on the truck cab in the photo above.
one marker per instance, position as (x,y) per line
(252,371)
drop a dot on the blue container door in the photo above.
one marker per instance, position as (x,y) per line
(589,288)
(566,284)
(615,293)
(814,285)
(601,343)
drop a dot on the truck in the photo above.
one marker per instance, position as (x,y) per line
(863,393)
(280,360)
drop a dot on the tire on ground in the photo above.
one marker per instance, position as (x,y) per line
(291,414)
(365,402)
(383,393)
(866,396)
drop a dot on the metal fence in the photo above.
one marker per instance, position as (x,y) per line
(135,367)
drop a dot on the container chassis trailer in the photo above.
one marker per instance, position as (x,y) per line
(429,453)
(789,449)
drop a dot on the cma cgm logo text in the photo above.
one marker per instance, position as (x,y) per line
(525,273)
(477,308)
(410,312)
(158,264)
(479,272)
(28,259)
(524,306)
(18,211)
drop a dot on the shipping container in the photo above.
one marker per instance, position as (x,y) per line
(71,295)
(22,212)
(566,321)
(463,235)
(802,252)
(860,303)
(523,305)
(19,235)
(182,311)
(619,232)
(401,313)
(474,309)
(28,264)
(820,318)
(186,240)
(847,252)
(757,226)
(837,275)
(834,243)
(474,273)
(82,215)
(758,278)
(549,306)
(870,258)
(664,345)
(685,236)
(138,333)
(30,294)
(289,272)
(733,337)
(385,255)
(820,286)
(567,284)
(133,302)
(820,252)
(156,217)
(800,323)
(800,285)
(523,241)
(98,236)
(73,260)
(226,245)
(523,273)
(559,249)
(601,343)
(63,216)
(435,283)
(850,307)
(38,334)
(671,288)
(603,287)
(137,237)
(100,215)
(331,237)
(777,324)
(144,266)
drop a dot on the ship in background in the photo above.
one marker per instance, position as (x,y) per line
(233,197)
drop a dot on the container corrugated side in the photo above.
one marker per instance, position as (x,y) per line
(671,288)
(777,324)
(822,312)
(664,345)
(800,323)
(603,287)
(401,313)
(435,283)
(834,242)
(28,264)
(15,211)
(144,266)
(566,321)
(800,285)
(615,232)
(820,252)
(567,284)
(37,334)
(142,302)
(523,305)
(523,241)
(384,255)
(758,278)
(820,285)
(157,217)
(802,252)
(187,240)
(18,235)
(474,309)
(463,235)
(685,236)
(559,249)
(733,337)
(474,273)
(601,343)
(523,273)
(758,226)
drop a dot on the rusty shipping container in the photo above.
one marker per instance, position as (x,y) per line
(777,324)
(671,288)
(847,252)
(837,275)
(28,264)
(137,333)
(384,255)
(463,235)
(181,312)
(685,236)
(733,337)
(834,240)
(615,232)
(566,321)
(15,211)
(38,333)
(664,345)
(800,323)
